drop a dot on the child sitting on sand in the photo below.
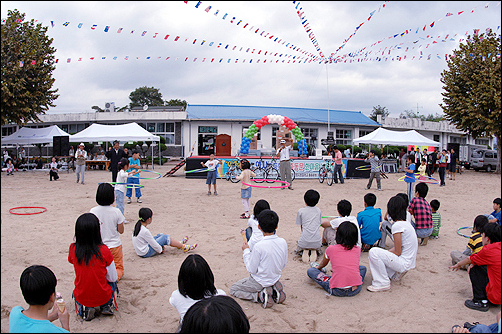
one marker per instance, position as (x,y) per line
(264,264)
(329,234)
(195,282)
(146,245)
(436,219)
(422,212)
(348,275)
(253,232)
(309,219)
(474,244)
(369,222)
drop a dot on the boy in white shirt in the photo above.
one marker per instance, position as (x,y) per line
(264,264)
(344,208)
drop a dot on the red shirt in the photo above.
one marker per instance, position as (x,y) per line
(489,255)
(91,287)
(422,212)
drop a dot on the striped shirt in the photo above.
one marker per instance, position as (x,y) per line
(475,242)
(375,166)
(436,223)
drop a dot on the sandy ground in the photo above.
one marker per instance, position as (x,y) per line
(430,298)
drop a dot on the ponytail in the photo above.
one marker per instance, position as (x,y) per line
(144,214)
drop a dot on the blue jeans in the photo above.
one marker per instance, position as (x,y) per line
(133,180)
(211,177)
(409,191)
(314,274)
(493,328)
(422,232)
(119,199)
(162,239)
(338,173)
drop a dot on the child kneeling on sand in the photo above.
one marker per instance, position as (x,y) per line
(264,264)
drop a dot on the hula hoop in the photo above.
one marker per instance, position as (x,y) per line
(148,178)
(463,228)
(200,170)
(27,207)
(330,216)
(286,184)
(366,167)
(430,180)
(128,185)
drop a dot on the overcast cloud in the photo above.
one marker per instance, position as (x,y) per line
(356,86)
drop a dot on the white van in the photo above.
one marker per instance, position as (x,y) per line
(483,159)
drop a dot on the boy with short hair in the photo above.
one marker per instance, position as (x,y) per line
(474,244)
(38,285)
(264,264)
(436,219)
(496,213)
(484,270)
(422,212)
(309,219)
(369,222)
(212,165)
(344,208)
(375,170)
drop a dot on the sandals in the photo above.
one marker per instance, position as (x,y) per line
(184,240)
(187,248)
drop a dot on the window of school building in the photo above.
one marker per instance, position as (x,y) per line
(481,141)
(343,137)
(311,136)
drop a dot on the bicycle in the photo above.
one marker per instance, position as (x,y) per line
(323,172)
(234,170)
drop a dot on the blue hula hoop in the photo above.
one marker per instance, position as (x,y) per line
(463,228)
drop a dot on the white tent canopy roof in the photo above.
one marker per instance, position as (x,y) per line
(389,137)
(123,132)
(26,136)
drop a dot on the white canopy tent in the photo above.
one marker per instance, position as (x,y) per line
(109,133)
(26,136)
(389,137)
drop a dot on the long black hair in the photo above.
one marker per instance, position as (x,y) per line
(144,214)
(195,278)
(87,238)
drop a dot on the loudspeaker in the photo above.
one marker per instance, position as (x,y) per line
(60,145)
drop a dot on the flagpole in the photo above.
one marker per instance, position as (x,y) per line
(327,89)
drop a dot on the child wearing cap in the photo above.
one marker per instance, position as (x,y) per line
(80,156)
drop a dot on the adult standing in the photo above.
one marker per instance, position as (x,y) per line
(22,156)
(80,157)
(134,166)
(285,164)
(431,162)
(347,152)
(115,154)
(448,161)
(71,163)
(402,158)
(337,155)
(442,166)
(453,164)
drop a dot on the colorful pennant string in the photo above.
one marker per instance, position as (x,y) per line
(308,30)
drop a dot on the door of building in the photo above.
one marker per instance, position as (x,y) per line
(223,145)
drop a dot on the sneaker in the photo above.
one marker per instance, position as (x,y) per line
(423,242)
(187,248)
(373,288)
(89,313)
(468,325)
(128,200)
(244,216)
(106,310)
(477,305)
(215,193)
(184,240)
(83,183)
(379,189)
(366,188)
(290,188)
(208,193)
(265,297)
(278,296)
(139,200)
(398,276)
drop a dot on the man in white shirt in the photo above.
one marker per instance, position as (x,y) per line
(264,264)
(285,165)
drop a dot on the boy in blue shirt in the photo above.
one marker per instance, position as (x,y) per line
(38,285)
(369,222)
(496,213)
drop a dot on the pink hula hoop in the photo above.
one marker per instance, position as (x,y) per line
(286,184)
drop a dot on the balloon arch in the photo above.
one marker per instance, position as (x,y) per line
(280,120)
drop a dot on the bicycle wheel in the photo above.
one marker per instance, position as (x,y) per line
(322,174)
(292,174)
(272,174)
(260,174)
(329,177)
(235,172)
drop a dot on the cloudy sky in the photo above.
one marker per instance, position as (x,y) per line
(407,84)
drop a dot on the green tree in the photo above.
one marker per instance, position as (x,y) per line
(177,102)
(472,86)
(379,111)
(27,65)
(150,96)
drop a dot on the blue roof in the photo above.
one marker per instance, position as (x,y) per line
(232,112)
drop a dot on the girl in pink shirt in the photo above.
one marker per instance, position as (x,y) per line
(348,275)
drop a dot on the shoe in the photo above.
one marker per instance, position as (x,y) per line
(278,296)
(244,216)
(187,248)
(290,188)
(373,288)
(77,181)
(453,327)
(184,240)
(106,310)
(208,193)
(424,241)
(139,200)
(126,222)
(89,313)
(477,305)
(366,188)
(265,297)
(379,189)
(83,183)
(128,200)
(398,276)
(305,256)
(468,325)
(313,256)
(215,193)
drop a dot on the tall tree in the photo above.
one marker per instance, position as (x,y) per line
(146,95)
(472,86)
(177,102)
(27,65)
(379,111)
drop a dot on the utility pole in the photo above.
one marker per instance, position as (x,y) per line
(418,107)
